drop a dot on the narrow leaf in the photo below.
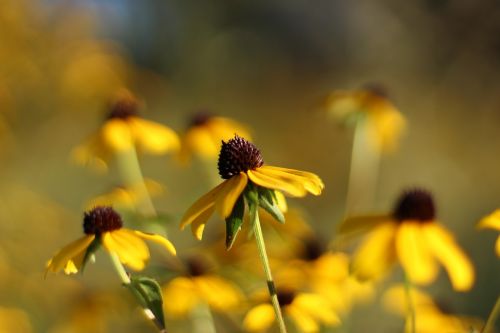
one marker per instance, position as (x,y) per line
(148,293)
(234,222)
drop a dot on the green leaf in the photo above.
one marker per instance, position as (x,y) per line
(268,201)
(251,194)
(89,254)
(234,222)
(148,293)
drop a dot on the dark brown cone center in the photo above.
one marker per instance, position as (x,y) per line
(238,155)
(124,108)
(416,204)
(196,267)
(285,297)
(200,118)
(313,249)
(101,219)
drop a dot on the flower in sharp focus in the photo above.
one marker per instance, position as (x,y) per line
(199,285)
(103,226)
(308,311)
(242,167)
(124,129)
(384,122)
(204,134)
(413,237)
(492,221)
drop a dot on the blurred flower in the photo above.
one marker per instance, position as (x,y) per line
(125,197)
(429,318)
(103,226)
(412,236)
(124,130)
(241,165)
(13,320)
(384,122)
(492,221)
(308,311)
(205,133)
(199,285)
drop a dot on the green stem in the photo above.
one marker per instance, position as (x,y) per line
(130,170)
(490,322)
(254,216)
(203,321)
(411,306)
(363,171)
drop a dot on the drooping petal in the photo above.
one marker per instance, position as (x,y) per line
(126,256)
(305,174)
(413,253)
(220,294)
(281,201)
(317,307)
(260,318)
(292,188)
(376,254)
(311,182)
(200,141)
(231,192)
(201,205)
(198,225)
(68,253)
(116,135)
(134,243)
(180,297)
(151,137)
(442,243)
(157,239)
(304,321)
(491,221)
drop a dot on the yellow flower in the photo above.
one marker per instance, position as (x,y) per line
(242,167)
(492,221)
(429,318)
(14,320)
(199,285)
(103,226)
(413,237)
(205,133)
(308,311)
(384,122)
(124,130)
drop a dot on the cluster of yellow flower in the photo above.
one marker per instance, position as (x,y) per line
(314,284)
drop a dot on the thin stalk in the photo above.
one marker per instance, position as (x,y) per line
(259,238)
(203,321)
(492,318)
(411,306)
(363,172)
(130,170)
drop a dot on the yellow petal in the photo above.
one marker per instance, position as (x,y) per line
(292,188)
(93,153)
(259,318)
(123,251)
(309,175)
(311,182)
(231,192)
(130,240)
(116,135)
(157,239)
(151,137)
(180,297)
(413,253)
(317,307)
(198,225)
(281,201)
(304,321)
(491,221)
(220,294)
(200,141)
(361,224)
(376,254)
(201,205)
(69,252)
(442,243)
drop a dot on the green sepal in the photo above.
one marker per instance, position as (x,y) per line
(234,222)
(89,253)
(148,292)
(251,194)
(268,201)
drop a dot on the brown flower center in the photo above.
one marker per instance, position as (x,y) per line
(238,155)
(195,266)
(200,118)
(123,108)
(416,204)
(101,219)
(286,297)
(313,249)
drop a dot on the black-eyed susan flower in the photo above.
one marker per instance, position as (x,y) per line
(204,134)
(200,285)
(412,236)
(308,311)
(123,130)
(242,167)
(103,226)
(384,123)
(492,221)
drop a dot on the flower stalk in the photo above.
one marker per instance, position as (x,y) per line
(203,321)
(410,305)
(492,318)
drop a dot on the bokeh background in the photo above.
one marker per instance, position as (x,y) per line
(267,64)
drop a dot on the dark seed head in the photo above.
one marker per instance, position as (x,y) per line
(101,219)
(126,105)
(286,297)
(377,89)
(313,249)
(196,266)
(200,118)
(416,204)
(238,155)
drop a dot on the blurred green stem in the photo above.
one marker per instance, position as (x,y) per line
(203,321)
(259,238)
(130,170)
(490,322)
(363,173)
(411,306)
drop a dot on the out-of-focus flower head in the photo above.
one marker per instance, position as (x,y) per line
(247,179)
(383,122)
(124,129)
(429,317)
(103,226)
(492,221)
(199,284)
(14,320)
(412,236)
(205,133)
